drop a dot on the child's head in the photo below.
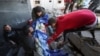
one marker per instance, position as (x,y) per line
(38,11)
(27,29)
(7,28)
(52,22)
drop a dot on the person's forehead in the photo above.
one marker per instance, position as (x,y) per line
(8,26)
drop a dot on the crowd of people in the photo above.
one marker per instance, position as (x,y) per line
(81,4)
(34,37)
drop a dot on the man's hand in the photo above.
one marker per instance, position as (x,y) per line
(50,40)
(13,42)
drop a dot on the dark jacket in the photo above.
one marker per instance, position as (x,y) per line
(12,35)
(28,43)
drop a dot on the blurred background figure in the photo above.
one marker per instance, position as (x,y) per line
(28,40)
(94,4)
(11,36)
(67,5)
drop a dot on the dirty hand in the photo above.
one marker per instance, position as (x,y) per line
(50,40)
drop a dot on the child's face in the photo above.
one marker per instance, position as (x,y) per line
(53,25)
(39,13)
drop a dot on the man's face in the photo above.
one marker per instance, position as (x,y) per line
(7,28)
(31,29)
(39,13)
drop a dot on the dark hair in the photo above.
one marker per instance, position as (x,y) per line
(37,9)
(4,27)
(51,21)
(26,29)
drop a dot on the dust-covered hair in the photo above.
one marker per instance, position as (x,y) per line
(52,20)
(37,9)
(26,29)
(5,26)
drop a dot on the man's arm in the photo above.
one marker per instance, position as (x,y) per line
(55,35)
(6,38)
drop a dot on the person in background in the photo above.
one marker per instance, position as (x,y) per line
(11,35)
(67,5)
(75,21)
(94,4)
(28,40)
(73,4)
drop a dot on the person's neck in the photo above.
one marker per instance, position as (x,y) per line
(30,34)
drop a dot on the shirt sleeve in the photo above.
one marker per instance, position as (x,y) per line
(55,35)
